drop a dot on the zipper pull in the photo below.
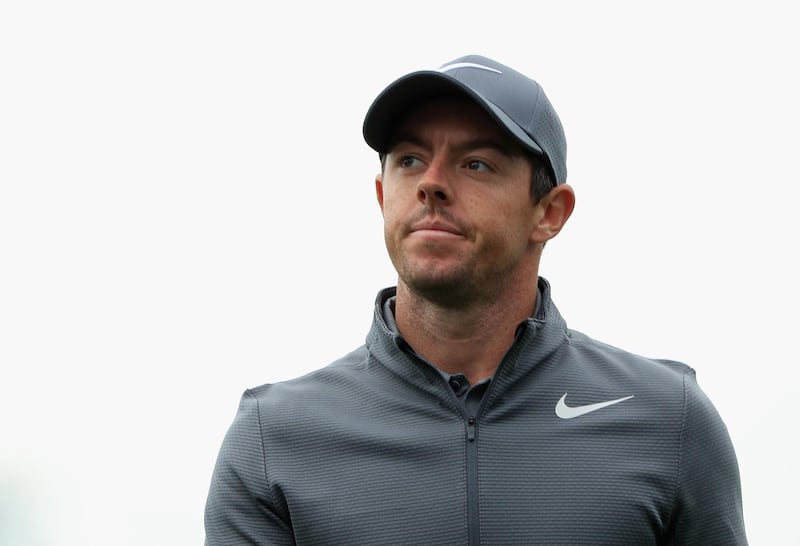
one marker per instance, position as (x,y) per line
(471,428)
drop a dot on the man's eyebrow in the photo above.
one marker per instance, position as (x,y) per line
(466,146)
(486,143)
(406,138)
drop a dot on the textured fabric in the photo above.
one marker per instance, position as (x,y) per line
(375,449)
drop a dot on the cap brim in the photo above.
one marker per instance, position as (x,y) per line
(399,97)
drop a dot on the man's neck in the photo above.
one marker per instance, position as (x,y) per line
(470,340)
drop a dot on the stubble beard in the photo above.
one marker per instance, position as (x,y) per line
(473,279)
(454,290)
(459,286)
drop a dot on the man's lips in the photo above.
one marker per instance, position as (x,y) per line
(435,229)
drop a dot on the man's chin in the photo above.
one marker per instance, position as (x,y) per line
(450,291)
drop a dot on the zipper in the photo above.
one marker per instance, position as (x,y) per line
(471,422)
(473,512)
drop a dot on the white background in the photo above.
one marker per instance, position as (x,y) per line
(187,209)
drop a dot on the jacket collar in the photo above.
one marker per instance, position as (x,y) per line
(538,339)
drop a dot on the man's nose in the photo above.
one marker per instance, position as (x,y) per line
(434,188)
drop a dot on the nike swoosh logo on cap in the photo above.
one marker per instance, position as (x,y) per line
(467,65)
(566,412)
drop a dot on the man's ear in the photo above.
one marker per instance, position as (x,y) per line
(379,190)
(554,209)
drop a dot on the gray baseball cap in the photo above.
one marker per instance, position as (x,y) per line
(515,101)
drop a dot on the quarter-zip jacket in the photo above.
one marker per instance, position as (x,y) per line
(574,442)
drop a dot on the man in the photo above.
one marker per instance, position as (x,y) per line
(473,415)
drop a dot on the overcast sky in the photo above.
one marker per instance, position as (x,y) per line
(187,209)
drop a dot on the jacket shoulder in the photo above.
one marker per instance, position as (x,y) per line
(341,370)
(603,357)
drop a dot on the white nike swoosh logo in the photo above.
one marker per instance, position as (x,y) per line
(566,412)
(453,66)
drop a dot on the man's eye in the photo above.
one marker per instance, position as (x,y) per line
(477,165)
(409,162)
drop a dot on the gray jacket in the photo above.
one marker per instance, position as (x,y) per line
(375,449)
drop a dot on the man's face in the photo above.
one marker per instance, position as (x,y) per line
(455,197)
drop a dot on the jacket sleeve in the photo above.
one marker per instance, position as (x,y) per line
(708,508)
(240,509)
